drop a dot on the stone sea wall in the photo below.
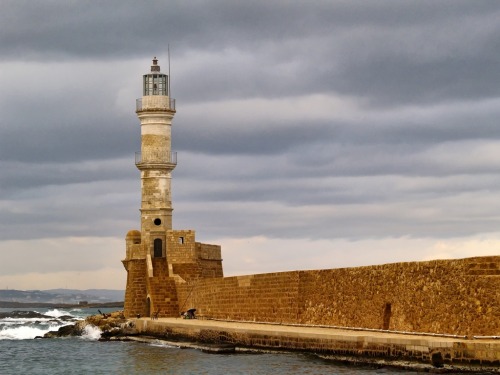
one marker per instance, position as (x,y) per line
(460,297)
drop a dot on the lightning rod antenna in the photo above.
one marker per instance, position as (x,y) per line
(169,77)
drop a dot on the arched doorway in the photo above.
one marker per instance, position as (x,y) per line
(158,248)
(387,316)
(148,306)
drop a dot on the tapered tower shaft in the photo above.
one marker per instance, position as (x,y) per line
(156,160)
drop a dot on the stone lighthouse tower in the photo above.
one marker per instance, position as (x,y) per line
(156,160)
(161,261)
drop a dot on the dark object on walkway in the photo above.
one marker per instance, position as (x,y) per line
(155,315)
(188,314)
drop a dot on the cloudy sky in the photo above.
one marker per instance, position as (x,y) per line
(318,134)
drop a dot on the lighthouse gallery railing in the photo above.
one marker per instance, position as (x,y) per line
(156,157)
(169,106)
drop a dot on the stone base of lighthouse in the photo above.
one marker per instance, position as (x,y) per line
(145,294)
(152,281)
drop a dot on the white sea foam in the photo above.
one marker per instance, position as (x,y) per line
(25,332)
(91,333)
(57,313)
(25,320)
(162,344)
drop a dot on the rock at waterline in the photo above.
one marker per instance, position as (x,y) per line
(71,330)
(109,324)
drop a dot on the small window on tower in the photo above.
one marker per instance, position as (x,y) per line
(157,221)
(181,240)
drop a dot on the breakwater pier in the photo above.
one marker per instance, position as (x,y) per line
(432,353)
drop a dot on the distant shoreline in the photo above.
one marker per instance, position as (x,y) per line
(8,304)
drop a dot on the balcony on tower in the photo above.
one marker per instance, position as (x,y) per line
(155,158)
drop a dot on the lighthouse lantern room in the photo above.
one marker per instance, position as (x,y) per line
(155,83)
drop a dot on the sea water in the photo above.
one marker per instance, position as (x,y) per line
(21,353)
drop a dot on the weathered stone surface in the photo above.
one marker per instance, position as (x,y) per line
(152,289)
(441,296)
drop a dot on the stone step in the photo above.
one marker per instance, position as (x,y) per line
(483,267)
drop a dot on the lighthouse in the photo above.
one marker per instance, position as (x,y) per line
(156,161)
(159,260)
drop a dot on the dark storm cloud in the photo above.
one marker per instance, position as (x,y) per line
(19,175)
(385,52)
(87,29)
(342,144)
(353,208)
(64,112)
(234,140)
(67,210)
(110,28)
(70,144)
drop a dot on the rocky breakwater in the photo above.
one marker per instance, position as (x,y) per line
(113,324)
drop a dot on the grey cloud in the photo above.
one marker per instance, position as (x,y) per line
(389,52)
(433,217)
(238,139)
(102,208)
(70,144)
(313,144)
(113,28)
(352,179)
(65,122)
(29,175)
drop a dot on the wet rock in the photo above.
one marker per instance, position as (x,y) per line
(112,332)
(67,318)
(69,330)
(110,325)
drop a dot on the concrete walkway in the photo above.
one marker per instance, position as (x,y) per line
(319,332)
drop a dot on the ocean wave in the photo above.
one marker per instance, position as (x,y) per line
(23,325)
(34,317)
(91,333)
(58,313)
(29,324)
(25,332)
